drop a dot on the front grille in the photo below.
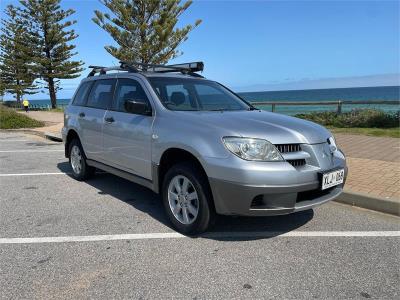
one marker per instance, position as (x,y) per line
(297,162)
(287,148)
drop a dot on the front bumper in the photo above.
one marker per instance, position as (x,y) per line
(266,189)
(64,134)
(238,199)
(64,138)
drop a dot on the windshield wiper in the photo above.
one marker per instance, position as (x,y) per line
(225,109)
(220,109)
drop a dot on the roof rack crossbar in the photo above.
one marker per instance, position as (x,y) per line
(104,70)
(128,67)
(186,68)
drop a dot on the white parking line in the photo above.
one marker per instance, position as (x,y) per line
(175,235)
(33,174)
(8,140)
(33,151)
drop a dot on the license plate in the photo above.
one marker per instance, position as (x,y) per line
(332,178)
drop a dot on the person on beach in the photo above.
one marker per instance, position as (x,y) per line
(25,103)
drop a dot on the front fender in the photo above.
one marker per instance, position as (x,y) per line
(199,140)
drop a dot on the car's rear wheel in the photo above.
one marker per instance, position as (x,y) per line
(77,160)
(187,199)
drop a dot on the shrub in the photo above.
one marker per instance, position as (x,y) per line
(10,119)
(363,118)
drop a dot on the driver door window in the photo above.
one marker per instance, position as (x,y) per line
(179,98)
(128,89)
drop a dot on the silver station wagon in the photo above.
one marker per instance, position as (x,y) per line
(202,147)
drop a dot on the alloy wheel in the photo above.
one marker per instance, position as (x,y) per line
(76,159)
(183,199)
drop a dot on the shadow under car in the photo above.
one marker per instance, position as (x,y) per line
(227,228)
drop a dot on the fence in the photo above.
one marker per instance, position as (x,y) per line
(273,104)
(339,104)
(33,106)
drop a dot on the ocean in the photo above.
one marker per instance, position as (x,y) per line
(317,95)
(321,95)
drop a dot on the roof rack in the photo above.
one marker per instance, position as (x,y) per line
(186,68)
(103,70)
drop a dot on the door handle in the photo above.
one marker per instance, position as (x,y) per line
(82,115)
(109,120)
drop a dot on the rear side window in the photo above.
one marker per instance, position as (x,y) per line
(101,94)
(81,94)
(128,89)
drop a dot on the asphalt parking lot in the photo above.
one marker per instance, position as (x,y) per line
(109,238)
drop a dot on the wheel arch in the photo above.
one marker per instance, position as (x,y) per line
(71,135)
(173,156)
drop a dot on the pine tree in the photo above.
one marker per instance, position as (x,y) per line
(145,30)
(16,75)
(2,85)
(51,38)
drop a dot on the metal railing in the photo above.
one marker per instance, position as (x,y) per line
(274,104)
(339,104)
(15,105)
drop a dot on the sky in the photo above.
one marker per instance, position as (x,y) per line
(271,45)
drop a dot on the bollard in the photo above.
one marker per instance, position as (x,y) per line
(339,107)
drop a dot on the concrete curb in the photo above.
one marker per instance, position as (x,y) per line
(53,136)
(47,135)
(383,205)
(29,131)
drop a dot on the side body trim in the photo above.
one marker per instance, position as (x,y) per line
(129,176)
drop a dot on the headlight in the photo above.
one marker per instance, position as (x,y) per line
(252,149)
(332,144)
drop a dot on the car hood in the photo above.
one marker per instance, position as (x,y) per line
(274,127)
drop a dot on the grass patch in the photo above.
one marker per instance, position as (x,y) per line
(360,121)
(58,109)
(385,132)
(363,118)
(10,119)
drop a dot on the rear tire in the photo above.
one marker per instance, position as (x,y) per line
(77,159)
(187,199)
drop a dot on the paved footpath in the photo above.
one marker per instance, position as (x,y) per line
(54,121)
(107,238)
(374,165)
(374,162)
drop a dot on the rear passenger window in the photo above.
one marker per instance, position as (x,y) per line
(128,89)
(101,94)
(81,94)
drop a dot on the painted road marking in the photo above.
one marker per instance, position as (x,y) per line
(44,174)
(8,140)
(32,151)
(175,235)
(34,174)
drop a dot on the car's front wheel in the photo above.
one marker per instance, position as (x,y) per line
(77,160)
(187,199)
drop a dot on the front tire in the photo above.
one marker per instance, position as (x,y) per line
(77,159)
(187,199)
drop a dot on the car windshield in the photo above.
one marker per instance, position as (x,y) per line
(195,95)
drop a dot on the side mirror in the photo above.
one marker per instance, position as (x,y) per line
(137,107)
